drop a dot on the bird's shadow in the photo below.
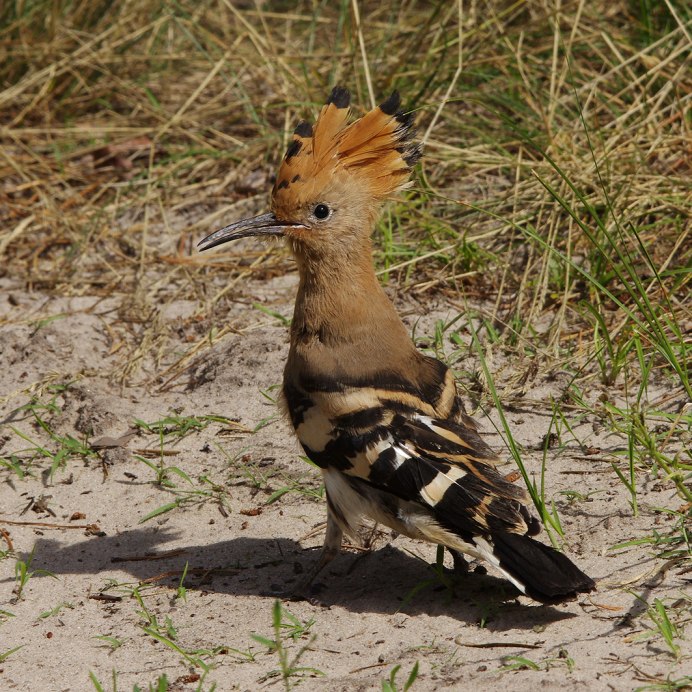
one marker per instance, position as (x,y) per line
(387,580)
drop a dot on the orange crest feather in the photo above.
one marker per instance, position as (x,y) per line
(378,148)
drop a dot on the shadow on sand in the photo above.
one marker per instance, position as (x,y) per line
(387,580)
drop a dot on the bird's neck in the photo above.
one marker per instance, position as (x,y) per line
(338,298)
(343,319)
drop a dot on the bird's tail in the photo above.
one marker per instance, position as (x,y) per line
(537,570)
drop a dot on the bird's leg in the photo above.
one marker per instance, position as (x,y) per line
(461,566)
(330,549)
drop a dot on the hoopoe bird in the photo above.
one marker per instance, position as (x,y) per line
(382,420)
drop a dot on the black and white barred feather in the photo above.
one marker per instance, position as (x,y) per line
(412,460)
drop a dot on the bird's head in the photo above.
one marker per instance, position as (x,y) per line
(334,178)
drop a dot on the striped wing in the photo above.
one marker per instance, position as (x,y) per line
(392,441)
(387,454)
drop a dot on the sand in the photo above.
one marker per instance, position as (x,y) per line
(250,520)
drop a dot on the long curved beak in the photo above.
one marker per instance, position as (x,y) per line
(265,224)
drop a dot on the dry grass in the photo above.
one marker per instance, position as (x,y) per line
(131,129)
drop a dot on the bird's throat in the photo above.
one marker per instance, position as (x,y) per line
(338,303)
(343,319)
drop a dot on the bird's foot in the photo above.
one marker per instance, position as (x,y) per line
(461,565)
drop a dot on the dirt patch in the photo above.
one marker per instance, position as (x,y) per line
(162,548)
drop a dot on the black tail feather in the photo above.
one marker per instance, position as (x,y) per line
(547,575)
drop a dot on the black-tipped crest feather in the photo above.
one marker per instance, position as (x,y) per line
(303,129)
(391,105)
(340,97)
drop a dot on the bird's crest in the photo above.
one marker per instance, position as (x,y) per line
(377,149)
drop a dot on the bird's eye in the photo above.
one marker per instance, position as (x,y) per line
(321,211)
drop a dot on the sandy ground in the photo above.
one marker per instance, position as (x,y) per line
(370,611)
